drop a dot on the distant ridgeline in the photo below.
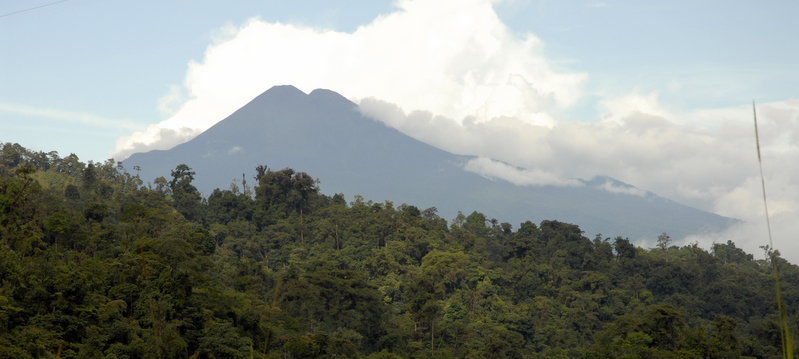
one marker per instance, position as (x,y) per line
(324,134)
(94,264)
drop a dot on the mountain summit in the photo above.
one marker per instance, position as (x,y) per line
(324,134)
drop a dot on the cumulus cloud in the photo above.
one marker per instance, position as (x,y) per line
(453,58)
(620,109)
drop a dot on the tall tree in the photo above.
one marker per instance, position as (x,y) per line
(186,198)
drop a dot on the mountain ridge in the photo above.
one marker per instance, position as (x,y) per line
(323,134)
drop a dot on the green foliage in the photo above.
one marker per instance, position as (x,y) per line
(186,198)
(95,265)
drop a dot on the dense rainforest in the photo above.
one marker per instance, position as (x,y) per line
(97,263)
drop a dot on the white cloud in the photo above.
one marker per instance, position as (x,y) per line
(155,138)
(234,150)
(492,169)
(619,108)
(703,158)
(67,116)
(169,104)
(452,58)
(613,188)
(750,236)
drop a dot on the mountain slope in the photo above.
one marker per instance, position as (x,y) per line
(323,134)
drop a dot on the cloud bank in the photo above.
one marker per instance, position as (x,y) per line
(451,74)
(703,158)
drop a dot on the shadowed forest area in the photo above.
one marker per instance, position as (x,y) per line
(98,263)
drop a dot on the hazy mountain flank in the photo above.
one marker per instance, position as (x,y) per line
(323,134)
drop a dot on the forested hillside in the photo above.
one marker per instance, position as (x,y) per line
(95,265)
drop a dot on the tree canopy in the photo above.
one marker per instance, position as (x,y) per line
(96,263)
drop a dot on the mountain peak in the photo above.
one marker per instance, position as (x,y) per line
(324,92)
(284,90)
(288,94)
(280,93)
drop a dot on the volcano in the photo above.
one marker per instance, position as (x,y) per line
(323,134)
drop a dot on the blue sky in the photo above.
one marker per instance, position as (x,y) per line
(722,52)
(656,94)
